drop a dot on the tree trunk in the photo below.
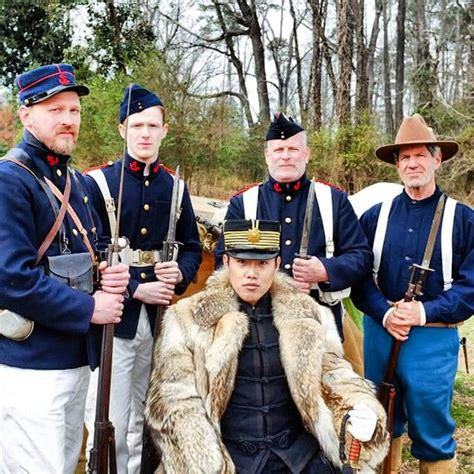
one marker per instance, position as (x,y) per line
(425,68)
(389,127)
(345,43)
(112,17)
(249,12)
(299,69)
(236,62)
(371,52)
(315,108)
(400,62)
(470,72)
(362,81)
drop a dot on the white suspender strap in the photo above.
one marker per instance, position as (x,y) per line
(324,198)
(379,237)
(99,178)
(447,242)
(250,199)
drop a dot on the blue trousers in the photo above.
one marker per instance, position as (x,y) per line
(424,383)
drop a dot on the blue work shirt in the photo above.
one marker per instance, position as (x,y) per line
(405,241)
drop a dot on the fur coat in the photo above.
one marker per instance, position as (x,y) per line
(195,363)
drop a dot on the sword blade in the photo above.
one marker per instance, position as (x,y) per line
(174,210)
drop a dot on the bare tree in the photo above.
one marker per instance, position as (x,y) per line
(318,11)
(371,50)
(248,17)
(362,80)
(345,43)
(299,66)
(400,62)
(425,68)
(389,127)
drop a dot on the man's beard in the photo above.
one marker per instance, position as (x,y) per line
(62,146)
(59,144)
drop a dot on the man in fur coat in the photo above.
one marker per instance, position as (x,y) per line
(249,376)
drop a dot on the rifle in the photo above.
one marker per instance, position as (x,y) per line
(102,457)
(151,455)
(387,392)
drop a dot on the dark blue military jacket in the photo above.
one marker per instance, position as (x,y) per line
(405,241)
(287,204)
(63,336)
(145,218)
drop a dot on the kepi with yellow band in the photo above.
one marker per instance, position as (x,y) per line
(252,239)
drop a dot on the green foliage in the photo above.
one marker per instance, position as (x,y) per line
(346,157)
(119,36)
(32,33)
(456,176)
(3,149)
(205,138)
(99,140)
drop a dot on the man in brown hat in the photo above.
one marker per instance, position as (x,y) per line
(398,231)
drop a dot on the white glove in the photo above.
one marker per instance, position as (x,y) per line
(362,422)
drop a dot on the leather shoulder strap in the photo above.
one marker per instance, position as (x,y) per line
(21,158)
(72,213)
(58,222)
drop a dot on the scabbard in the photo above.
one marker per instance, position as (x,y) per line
(463,342)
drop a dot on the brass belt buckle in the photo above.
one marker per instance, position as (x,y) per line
(146,257)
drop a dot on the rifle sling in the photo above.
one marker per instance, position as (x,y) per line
(395,351)
(433,231)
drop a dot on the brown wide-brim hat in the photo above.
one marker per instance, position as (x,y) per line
(414,131)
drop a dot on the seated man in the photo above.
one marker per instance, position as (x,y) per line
(249,376)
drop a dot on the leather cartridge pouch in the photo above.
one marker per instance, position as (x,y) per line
(74,270)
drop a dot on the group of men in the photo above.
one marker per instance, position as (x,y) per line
(248,375)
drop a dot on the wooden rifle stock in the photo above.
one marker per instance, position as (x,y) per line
(102,458)
(387,392)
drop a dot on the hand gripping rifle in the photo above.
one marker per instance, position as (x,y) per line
(387,392)
(102,458)
(169,252)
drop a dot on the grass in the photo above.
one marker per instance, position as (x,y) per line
(462,411)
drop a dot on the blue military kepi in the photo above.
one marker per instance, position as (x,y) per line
(43,82)
(140,100)
(283,127)
(251,239)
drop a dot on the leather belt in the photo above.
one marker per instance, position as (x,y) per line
(442,325)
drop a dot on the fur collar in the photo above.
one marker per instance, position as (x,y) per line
(219,298)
